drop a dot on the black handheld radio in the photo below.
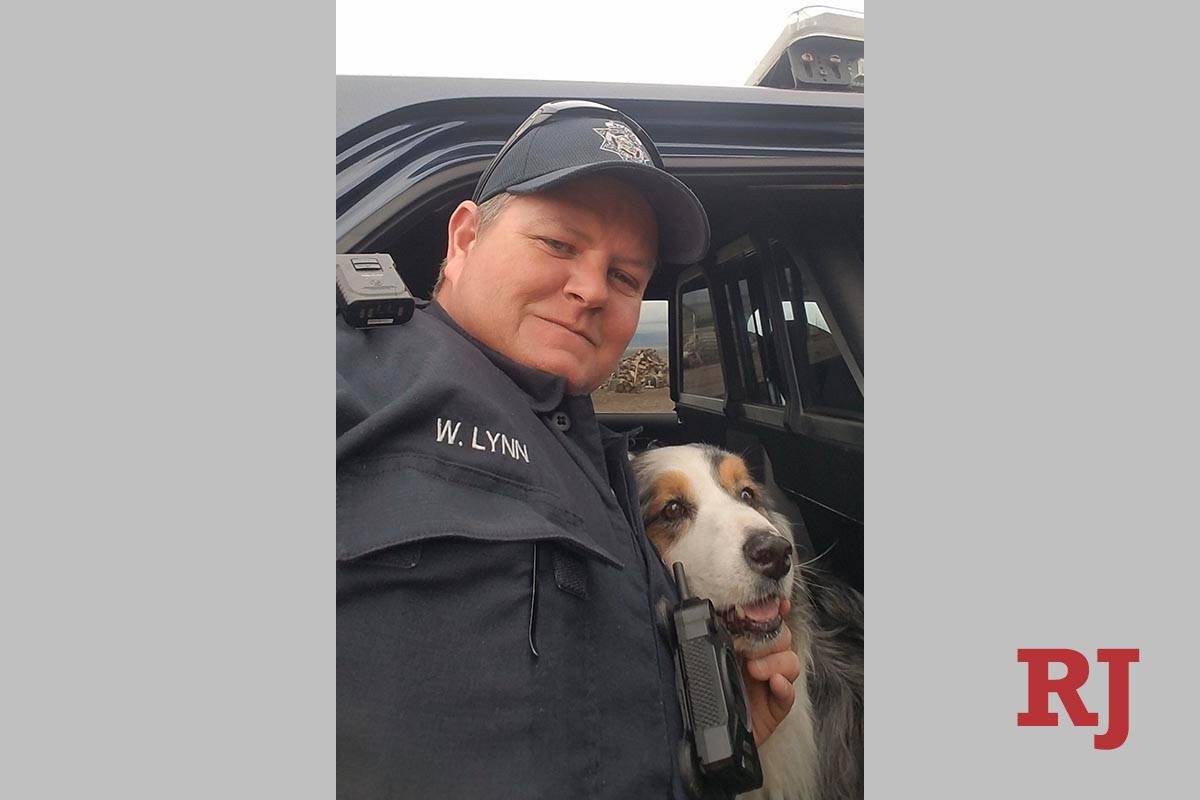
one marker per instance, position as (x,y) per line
(716,715)
(370,292)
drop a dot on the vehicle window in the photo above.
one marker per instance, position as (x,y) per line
(640,383)
(826,383)
(757,360)
(701,360)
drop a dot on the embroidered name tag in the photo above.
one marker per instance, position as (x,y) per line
(452,433)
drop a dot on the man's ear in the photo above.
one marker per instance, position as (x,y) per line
(462,231)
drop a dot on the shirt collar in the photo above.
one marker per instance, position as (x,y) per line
(545,391)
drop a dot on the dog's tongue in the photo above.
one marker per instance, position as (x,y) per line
(764,610)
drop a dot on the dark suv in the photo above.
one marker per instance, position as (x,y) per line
(763,339)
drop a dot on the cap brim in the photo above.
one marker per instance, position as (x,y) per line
(683,231)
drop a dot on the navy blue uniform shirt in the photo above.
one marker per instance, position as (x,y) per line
(483,516)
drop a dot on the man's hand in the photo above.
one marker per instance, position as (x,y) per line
(768,677)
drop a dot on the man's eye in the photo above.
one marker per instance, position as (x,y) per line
(626,279)
(557,246)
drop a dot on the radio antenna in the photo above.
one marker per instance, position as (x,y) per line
(681,581)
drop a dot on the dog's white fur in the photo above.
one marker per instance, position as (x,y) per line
(710,543)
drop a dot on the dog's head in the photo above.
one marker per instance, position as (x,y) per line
(701,507)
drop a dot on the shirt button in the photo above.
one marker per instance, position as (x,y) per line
(560,420)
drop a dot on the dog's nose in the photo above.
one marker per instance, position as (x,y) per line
(768,554)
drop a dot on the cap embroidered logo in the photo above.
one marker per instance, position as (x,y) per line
(619,139)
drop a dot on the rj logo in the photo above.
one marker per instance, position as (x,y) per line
(1067,689)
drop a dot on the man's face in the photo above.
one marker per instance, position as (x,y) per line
(556,280)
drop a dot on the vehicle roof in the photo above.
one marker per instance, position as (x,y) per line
(361,98)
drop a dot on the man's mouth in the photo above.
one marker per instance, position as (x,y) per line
(570,328)
(758,620)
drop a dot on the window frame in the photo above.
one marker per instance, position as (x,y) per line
(812,421)
(712,405)
(721,279)
(726,272)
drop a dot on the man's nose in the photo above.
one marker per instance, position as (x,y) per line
(587,283)
(768,554)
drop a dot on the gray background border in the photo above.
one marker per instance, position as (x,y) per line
(1030,459)
(168,598)
(169,500)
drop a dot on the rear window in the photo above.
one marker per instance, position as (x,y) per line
(641,381)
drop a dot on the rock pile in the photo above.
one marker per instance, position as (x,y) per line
(643,369)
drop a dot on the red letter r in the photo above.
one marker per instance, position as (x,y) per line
(1067,687)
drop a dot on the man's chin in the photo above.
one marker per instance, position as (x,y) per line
(567,366)
(578,388)
(577,384)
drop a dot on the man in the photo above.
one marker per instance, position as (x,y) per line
(498,601)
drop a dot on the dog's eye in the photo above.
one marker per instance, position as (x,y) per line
(748,495)
(673,510)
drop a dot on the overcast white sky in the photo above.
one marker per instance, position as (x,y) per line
(699,43)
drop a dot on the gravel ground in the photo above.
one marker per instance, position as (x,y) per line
(631,402)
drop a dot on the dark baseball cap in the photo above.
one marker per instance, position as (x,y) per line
(568,139)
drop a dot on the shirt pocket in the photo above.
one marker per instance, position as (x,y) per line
(388,505)
(442,631)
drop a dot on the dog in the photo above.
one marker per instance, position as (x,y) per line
(701,507)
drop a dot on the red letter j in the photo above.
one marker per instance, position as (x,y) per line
(1118,661)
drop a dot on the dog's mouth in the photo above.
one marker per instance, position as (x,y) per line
(759,620)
